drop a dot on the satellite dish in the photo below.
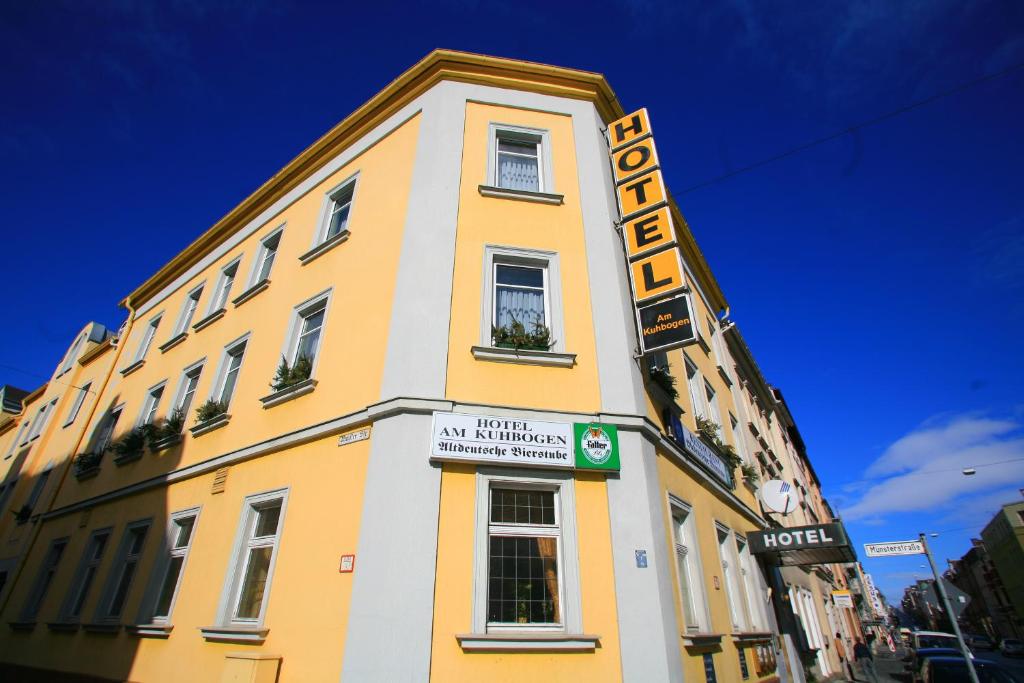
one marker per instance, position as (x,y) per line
(778,496)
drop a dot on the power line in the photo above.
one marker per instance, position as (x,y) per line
(850,129)
(36,374)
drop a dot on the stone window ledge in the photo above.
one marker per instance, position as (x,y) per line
(89,473)
(751,636)
(288,393)
(701,639)
(149,630)
(106,629)
(210,319)
(553,359)
(251,292)
(22,625)
(234,634)
(522,195)
(125,371)
(164,443)
(173,341)
(63,626)
(527,642)
(127,458)
(723,373)
(324,247)
(210,425)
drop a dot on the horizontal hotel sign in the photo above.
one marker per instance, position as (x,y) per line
(798,538)
(516,442)
(894,548)
(700,451)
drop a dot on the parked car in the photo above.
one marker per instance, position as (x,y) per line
(916,659)
(954,670)
(1011,647)
(980,642)
(923,639)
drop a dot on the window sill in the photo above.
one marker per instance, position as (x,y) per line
(527,642)
(210,425)
(324,247)
(524,356)
(105,629)
(149,630)
(288,393)
(210,319)
(522,195)
(752,636)
(23,626)
(63,626)
(165,443)
(82,475)
(173,341)
(250,293)
(235,634)
(127,458)
(133,367)
(703,344)
(725,376)
(701,639)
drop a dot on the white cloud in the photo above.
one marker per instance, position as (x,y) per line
(922,470)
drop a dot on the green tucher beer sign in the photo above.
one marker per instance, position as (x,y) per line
(596,445)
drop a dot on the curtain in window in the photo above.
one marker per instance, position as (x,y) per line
(516,304)
(518,173)
(548,548)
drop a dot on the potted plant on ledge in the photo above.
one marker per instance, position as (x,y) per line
(516,336)
(209,416)
(130,446)
(168,432)
(288,376)
(87,464)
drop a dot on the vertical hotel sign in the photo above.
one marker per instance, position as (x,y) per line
(663,309)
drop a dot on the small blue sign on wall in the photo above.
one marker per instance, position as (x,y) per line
(641,559)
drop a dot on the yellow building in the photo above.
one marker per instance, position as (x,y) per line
(386,421)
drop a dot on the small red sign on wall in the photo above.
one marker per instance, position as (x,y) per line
(348,564)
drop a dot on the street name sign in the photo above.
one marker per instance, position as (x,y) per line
(894,548)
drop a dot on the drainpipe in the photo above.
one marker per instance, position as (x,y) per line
(78,444)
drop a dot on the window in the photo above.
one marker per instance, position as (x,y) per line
(179,540)
(338,213)
(150,405)
(37,491)
(46,573)
(105,432)
(125,566)
(306,330)
(737,438)
(526,573)
(752,587)
(715,414)
(187,387)
(86,574)
(40,420)
(524,286)
(265,256)
(77,405)
(688,568)
(227,279)
(517,159)
(147,338)
(188,310)
(727,555)
(17,439)
(248,581)
(229,368)
(696,387)
(69,359)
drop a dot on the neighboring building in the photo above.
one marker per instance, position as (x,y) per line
(989,611)
(1004,540)
(385,421)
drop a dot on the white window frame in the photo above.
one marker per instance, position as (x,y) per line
(80,588)
(542,137)
(225,282)
(348,185)
(44,580)
(22,430)
(69,359)
(231,592)
(217,389)
(188,310)
(729,563)
(151,404)
(101,427)
(122,559)
(692,559)
(39,486)
(262,251)
(756,591)
(563,485)
(179,394)
(41,419)
(299,314)
(147,337)
(76,406)
(495,255)
(695,388)
(162,566)
(714,412)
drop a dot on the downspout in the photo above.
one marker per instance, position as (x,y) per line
(78,444)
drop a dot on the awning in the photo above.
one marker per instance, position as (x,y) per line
(803,545)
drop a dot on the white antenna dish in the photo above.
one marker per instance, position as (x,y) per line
(779,496)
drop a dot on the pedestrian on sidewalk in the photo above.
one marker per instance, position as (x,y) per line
(844,664)
(862,655)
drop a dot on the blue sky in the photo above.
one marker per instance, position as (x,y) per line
(878,277)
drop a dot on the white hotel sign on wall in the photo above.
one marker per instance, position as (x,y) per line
(663,309)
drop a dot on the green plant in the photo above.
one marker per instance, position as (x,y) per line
(210,410)
(708,428)
(133,441)
(287,376)
(170,426)
(21,516)
(516,336)
(87,461)
(750,473)
(664,379)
